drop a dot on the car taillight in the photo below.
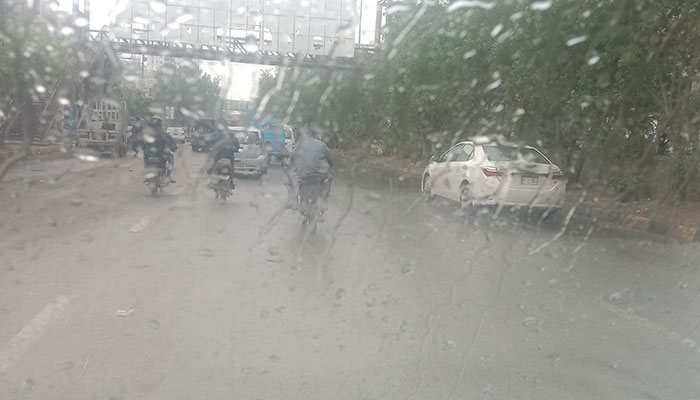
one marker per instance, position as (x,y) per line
(491,171)
(558,176)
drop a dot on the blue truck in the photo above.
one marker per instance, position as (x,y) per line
(277,138)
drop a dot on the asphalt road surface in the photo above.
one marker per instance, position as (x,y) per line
(109,293)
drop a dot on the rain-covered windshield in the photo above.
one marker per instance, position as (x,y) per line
(432,199)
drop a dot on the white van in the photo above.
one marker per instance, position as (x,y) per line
(289,139)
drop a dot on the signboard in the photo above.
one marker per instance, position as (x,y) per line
(320,27)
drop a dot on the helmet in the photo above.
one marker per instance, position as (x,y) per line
(155,121)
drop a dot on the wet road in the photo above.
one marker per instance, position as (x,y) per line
(108,293)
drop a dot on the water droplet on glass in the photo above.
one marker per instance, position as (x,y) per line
(40,88)
(519,111)
(496,30)
(469,54)
(87,157)
(541,5)
(493,85)
(184,18)
(397,8)
(576,40)
(470,4)
(67,30)
(81,22)
(586,14)
(594,58)
(615,296)
(158,6)
(63,101)
(516,16)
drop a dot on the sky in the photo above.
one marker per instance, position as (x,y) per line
(239,80)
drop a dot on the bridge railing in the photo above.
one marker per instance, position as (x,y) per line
(232,50)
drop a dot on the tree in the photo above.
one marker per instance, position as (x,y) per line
(193,93)
(137,102)
(583,79)
(36,64)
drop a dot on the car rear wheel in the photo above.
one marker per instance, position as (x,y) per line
(427,187)
(465,197)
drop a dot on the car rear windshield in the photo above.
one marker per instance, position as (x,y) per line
(505,153)
(250,137)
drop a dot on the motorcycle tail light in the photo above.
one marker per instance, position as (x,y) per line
(224,170)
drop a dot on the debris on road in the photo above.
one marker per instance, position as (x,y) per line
(124,312)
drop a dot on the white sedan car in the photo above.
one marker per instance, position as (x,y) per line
(177,133)
(492,174)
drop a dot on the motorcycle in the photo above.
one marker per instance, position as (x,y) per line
(223,186)
(312,191)
(156,175)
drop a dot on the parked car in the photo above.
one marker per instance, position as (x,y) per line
(490,174)
(251,156)
(177,133)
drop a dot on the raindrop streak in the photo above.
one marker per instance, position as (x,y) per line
(469,54)
(158,6)
(576,40)
(492,86)
(40,88)
(87,157)
(592,60)
(469,4)
(496,30)
(541,5)
(67,30)
(63,101)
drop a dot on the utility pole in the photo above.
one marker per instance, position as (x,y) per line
(3,14)
(378,24)
(359,23)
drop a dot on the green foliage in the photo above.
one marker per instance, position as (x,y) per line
(35,59)
(583,79)
(193,93)
(137,102)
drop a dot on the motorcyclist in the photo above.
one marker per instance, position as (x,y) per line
(156,142)
(225,147)
(136,138)
(311,159)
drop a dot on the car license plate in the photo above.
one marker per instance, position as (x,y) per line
(528,180)
(239,164)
